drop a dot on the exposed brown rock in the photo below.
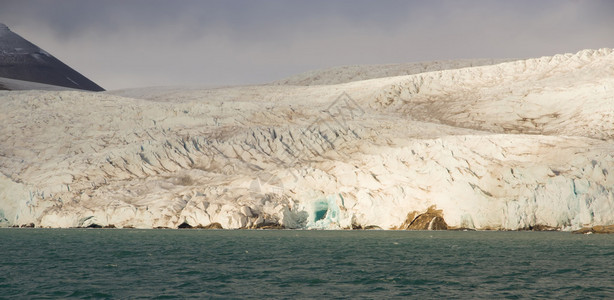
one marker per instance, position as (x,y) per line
(540,227)
(210,226)
(411,216)
(109,226)
(596,229)
(584,230)
(603,229)
(268,225)
(367,227)
(432,219)
(214,225)
(31,225)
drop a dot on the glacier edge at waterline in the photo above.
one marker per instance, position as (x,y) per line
(507,146)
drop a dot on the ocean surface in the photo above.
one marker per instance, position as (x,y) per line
(221,264)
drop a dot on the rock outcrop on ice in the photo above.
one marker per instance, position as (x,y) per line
(515,145)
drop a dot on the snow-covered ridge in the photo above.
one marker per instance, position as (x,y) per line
(514,145)
(351,73)
(18,85)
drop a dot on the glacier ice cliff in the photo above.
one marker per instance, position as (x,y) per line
(512,145)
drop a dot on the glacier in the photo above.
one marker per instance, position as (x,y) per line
(486,145)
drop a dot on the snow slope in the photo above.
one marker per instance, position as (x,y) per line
(16,85)
(351,73)
(520,144)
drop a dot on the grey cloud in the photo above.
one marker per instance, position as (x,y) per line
(139,43)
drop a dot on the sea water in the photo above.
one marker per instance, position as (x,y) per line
(168,264)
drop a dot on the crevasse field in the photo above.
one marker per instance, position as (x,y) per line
(464,144)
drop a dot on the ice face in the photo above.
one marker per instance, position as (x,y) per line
(324,214)
(507,146)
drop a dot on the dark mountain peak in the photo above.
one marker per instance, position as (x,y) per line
(22,60)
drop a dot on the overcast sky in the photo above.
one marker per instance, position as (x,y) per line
(135,43)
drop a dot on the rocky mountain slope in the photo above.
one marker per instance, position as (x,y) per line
(34,67)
